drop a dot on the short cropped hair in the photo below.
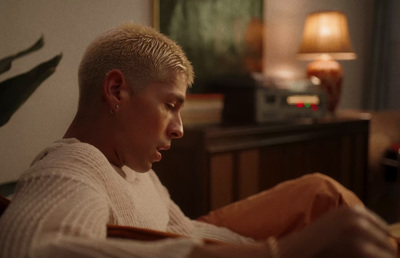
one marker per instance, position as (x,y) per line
(143,55)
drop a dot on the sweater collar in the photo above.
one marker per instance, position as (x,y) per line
(127,173)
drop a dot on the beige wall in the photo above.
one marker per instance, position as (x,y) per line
(68,26)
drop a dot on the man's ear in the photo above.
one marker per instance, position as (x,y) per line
(113,86)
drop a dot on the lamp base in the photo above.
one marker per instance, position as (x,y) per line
(329,76)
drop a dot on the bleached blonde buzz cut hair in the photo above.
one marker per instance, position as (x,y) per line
(143,55)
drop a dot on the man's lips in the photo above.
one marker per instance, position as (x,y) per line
(159,155)
(167,147)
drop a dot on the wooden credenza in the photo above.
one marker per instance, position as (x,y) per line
(214,165)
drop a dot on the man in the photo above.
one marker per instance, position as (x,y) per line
(133,83)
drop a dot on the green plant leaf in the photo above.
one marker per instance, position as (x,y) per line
(5,63)
(15,91)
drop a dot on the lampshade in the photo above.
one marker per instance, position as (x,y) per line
(326,33)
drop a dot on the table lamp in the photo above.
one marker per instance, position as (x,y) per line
(326,38)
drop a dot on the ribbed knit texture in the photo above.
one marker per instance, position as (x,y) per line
(71,192)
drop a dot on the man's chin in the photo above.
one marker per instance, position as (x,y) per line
(141,168)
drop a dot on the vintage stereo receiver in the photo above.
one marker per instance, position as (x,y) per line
(261,105)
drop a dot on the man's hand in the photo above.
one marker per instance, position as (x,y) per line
(344,232)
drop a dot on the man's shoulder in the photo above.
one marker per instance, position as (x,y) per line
(69,150)
(69,157)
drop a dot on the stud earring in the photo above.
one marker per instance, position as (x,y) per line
(116,109)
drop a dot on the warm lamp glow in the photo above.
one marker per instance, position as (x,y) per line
(325,38)
(326,33)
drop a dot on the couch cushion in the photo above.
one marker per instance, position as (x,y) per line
(4,202)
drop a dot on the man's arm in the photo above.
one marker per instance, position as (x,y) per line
(62,217)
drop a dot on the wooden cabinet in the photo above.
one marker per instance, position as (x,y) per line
(214,165)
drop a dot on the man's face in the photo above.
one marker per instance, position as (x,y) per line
(150,122)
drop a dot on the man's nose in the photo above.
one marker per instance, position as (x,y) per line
(176,128)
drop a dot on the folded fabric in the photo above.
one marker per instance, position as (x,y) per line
(285,208)
(144,234)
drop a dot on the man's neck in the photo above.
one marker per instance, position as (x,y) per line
(95,132)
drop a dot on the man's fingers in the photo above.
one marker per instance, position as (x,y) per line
(373,218)
(374,230)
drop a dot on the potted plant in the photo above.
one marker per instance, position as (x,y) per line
(16,90)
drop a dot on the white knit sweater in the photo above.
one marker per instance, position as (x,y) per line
(71,192)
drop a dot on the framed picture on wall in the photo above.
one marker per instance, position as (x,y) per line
(222,38)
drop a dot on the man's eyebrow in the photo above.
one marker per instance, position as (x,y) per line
(178,97)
